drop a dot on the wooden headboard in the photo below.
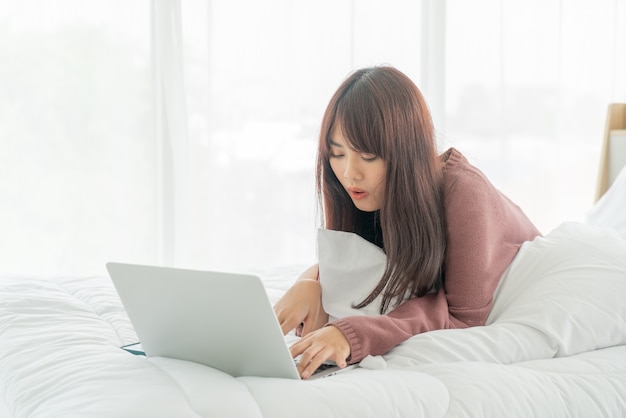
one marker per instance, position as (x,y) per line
(615,119)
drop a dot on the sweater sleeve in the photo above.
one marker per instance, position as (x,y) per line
(374,335)
(484,232)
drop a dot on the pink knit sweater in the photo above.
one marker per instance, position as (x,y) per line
(484,232)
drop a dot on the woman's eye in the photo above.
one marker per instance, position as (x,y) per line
(335,155)
(369,158)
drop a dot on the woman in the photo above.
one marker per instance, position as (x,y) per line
(447,233)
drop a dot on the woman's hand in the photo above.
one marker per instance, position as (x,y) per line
(327,343)
(301,304)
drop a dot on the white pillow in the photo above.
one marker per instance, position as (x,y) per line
(570,286)
(610,210)
(350,268)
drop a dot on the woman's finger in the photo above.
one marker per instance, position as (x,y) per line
(307,368)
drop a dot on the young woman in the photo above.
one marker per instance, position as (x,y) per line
(447,233)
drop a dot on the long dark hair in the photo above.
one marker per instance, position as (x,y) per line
(382,112)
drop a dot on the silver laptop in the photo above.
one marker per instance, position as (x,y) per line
(222,320)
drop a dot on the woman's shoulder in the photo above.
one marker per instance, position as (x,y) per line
(468,193)
(458,171)
(468,196)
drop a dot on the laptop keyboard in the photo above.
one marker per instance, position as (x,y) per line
(321,368)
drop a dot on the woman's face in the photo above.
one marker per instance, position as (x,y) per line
(361,175)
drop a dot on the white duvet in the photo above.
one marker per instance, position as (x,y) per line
(555,345)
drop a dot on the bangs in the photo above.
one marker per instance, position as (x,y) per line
(360,119)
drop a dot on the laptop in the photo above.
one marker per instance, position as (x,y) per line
(222,320)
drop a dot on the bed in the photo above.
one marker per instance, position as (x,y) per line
(554,345)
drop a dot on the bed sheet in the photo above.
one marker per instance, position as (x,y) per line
(60,356)
(555,344)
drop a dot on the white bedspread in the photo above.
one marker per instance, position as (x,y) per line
(555,346)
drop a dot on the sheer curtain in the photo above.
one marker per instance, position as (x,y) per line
(184,133)
(77,155)
(527,89)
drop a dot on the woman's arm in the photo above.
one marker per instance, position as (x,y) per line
(375,335)
(350,339)
(301,306)
(312,273)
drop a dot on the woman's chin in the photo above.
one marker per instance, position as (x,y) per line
(365,206)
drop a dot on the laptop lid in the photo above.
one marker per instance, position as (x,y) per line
(222,320)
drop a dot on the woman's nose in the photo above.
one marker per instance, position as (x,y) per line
(352,171)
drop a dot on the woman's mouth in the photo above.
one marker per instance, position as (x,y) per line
(356,193)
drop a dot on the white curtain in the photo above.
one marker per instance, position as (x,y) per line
(77,154)
(527,89)
(171,133)
(184,133)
